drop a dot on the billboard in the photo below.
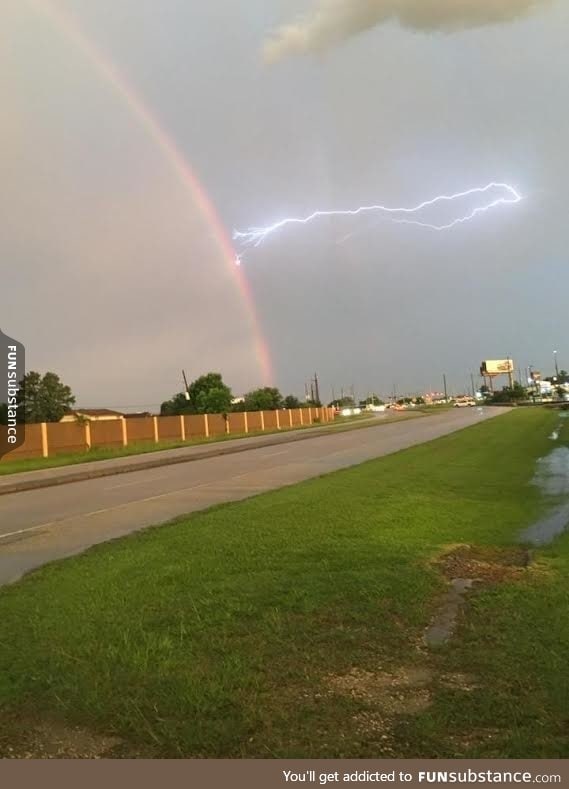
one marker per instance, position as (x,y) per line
(497,367)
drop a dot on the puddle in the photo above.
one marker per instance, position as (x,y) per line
(546,530)
(552,473)
(444,622)
(552,478)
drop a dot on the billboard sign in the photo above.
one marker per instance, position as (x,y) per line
(497,367)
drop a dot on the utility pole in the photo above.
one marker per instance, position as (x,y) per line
(186,387)
(445,387)
(556,367)
(472,382)
(316,390)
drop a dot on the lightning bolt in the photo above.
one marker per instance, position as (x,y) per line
(255,236)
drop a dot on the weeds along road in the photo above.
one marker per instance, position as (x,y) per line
(39,526)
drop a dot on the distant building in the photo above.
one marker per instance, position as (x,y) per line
(434,397)
(92,415)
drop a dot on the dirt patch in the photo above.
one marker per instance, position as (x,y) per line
(25,740)
(468,567)
(458,681)
(403,692)
(373,726)
(484,564)
(474,739)
(389,696)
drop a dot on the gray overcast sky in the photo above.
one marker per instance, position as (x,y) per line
(112,277)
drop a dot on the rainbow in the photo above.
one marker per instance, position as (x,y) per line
(65,23)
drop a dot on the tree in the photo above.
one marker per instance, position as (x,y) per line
(563,377)
(208,394)
(291,401)
(509,395)
(177,405)
(43,399)
(266,399)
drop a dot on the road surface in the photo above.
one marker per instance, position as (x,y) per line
(38,526)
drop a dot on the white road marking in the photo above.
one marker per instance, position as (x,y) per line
(23,531)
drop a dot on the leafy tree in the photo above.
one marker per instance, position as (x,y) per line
(420,400)
(177,405)
(208,394)
(291,401)
(509,395)
(43,399)
(266,399)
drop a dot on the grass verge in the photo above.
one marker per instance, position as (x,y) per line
(290,625)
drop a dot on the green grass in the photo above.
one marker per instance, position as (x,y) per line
(216,635)
(144,447)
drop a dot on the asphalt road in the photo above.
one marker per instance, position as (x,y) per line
(38,526)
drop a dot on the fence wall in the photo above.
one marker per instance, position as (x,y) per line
(107,434)
(56,438)
(32,446)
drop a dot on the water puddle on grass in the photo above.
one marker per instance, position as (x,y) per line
(552,478)
(552,473)
(546,530)
(445,620)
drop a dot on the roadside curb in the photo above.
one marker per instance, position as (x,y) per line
(156,462)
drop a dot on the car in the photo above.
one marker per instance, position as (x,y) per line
(464,402)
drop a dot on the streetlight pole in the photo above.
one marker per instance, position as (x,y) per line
(556,367)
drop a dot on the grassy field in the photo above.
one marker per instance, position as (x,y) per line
(8,466)
(291,625)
